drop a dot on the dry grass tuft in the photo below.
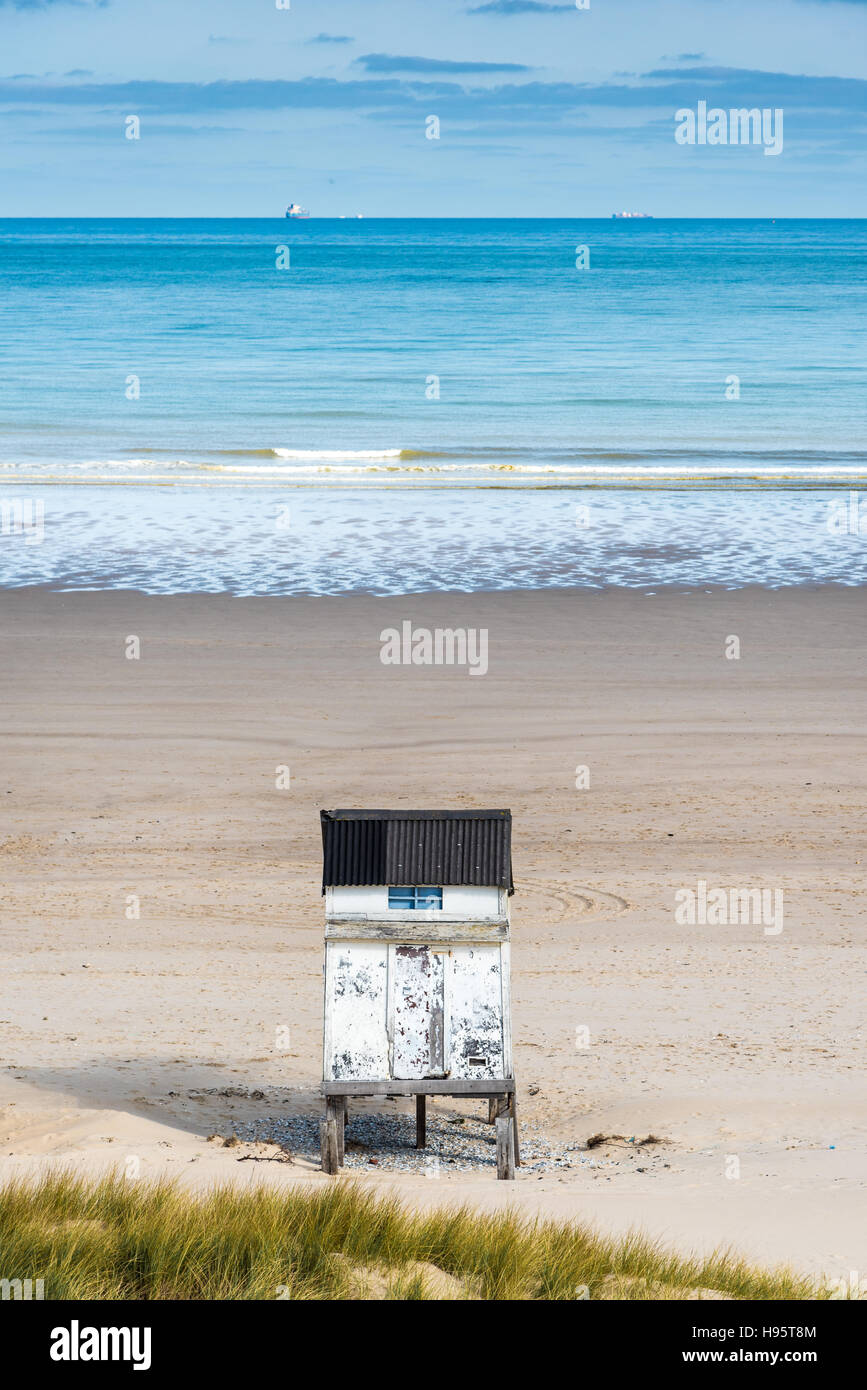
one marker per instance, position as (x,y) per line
(117,1239)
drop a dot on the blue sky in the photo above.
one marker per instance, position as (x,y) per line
(544,109)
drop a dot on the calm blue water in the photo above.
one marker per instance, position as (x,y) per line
(421,404)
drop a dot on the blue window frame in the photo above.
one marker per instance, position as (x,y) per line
(415,899)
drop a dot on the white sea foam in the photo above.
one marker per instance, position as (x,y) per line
(332,465)
(336,455)
(196,540)
(608,472)
(132,463)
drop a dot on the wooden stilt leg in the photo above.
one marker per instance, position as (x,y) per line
(515,1124)
(328,1141)
(420,1121)
(492,1109)
(500,1105)
(505,1147)
(340,1120)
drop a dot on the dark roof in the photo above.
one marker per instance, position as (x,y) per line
(401,848)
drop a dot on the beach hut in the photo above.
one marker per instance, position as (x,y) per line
(417,965)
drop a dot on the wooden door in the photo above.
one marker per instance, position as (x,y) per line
(476,1013)
(417,996)
(356,1037)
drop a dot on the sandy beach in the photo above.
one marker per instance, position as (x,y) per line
(162,920)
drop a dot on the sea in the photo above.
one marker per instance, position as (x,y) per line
(396,406)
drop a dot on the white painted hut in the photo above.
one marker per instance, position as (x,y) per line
(417,998)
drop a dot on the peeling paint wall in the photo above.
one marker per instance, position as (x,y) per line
(411,1011)
(356,1037)
(413,988)
(475,1007)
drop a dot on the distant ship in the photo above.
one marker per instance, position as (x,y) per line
(632,214)
(296,210)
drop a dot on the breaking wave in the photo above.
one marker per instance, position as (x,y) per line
(512,465)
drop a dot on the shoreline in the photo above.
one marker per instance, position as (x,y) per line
(397,540)
(457,596)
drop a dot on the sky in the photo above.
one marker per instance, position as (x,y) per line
(541,109)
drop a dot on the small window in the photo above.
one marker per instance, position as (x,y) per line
(415,899)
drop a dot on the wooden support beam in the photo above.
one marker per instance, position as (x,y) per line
(332,1136)
(420,1121)
(514,1112)
(505,1147)
(328,1144)
(340,1120)
(499,1105)
(446,1086)
(467,933)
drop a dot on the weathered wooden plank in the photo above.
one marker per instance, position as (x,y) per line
(328,1144)
(505,1147)
(448,1086)
(335,1110)
(506,1004)
(355,1010)
(411,993)
(498,1105)
(514,1110)
(420,1122)
(475,1013)
(416,933)
(437,1060)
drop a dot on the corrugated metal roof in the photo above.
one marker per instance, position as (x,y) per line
(400,848)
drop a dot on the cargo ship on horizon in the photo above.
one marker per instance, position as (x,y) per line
(296,210)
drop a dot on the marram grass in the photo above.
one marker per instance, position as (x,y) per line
(117,1239)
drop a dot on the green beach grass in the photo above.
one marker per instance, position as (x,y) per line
(117,1239)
